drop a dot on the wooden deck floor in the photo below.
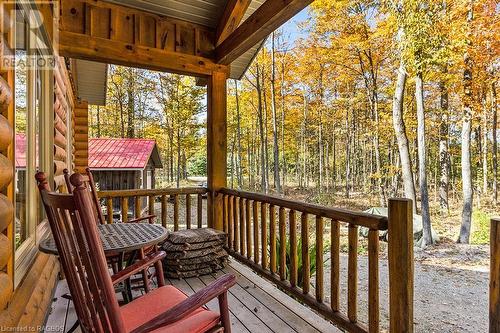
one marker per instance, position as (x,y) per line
(255,306)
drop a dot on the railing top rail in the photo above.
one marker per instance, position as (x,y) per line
(151,192)
(375,222)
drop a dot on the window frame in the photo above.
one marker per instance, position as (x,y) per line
(37,228)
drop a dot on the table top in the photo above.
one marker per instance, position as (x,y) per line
(119,237)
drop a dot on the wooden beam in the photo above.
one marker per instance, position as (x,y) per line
(267,18)
(74,45)
(216,146)
(233,14)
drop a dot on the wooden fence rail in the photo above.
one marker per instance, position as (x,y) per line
(164,198)
(259,239)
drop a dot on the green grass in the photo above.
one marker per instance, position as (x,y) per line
(480,228)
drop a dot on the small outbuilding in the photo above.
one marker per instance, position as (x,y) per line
(122,164)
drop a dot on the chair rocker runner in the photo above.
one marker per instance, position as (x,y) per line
(165,309)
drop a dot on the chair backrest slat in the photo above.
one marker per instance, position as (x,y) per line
(75,232)
(88,180)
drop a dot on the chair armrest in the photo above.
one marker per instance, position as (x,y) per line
(142,218)
(137,267)
(190,304)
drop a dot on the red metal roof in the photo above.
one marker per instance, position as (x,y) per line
(120,153)
(107,153)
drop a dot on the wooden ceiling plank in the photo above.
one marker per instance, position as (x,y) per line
(233,14)
(267,18)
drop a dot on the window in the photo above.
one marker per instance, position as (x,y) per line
(33,143)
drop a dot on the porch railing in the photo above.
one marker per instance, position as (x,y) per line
(257,236)
(159,202)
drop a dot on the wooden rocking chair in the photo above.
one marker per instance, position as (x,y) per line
(165,309)
(113,260)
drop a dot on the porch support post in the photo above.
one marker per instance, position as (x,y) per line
(216,146)
(495,276)
(400,252)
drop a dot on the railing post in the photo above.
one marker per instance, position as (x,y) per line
(216,146)
(400,265)
(495,276)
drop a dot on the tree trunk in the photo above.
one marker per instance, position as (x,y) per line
(402,139)
(495,148)
(262,135)
(444,158)
(238,118)
(422,158)
(484,146)
(276,153)
(466,139)
(131,104)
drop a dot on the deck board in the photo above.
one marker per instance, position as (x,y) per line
(255,305)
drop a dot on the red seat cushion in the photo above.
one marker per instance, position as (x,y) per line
(160,300)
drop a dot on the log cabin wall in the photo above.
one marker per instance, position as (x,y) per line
(6,164)
(81,137)
(63,107)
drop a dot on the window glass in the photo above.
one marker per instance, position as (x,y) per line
(21,116)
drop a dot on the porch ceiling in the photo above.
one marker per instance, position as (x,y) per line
(204,12)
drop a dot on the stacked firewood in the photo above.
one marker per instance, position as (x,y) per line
(194,252)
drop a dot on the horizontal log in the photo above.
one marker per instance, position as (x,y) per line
(60,125)
(6,289)
(59,154)
(5,250)
(5,94)
(81,145)
(59,181)
(25,290)
(59,166)
(60,139)
(6,133)
(155,192)
(6,172)
(6,212)
(375,222)
(59,80)
(81,137)
(81,121)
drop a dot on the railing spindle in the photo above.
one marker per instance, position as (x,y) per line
(272,238)
(319,258)
(236,230)
(176,212)
(137,206)
(151,207)
(282,233)
(304,234)
(230,227)
(352,274)
(164,210)
(263,220)
(200,210)
(188,211)
(335,265)
(248,229)
(242,226)
(225,214)
(125,209)
(255,232)
(109,208)
(373,281)
(293,248)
